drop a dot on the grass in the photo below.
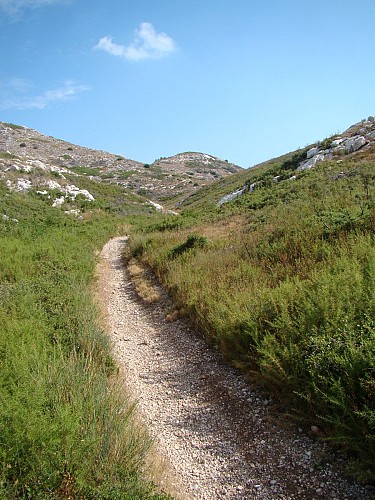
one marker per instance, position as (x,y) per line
(143,286)
(84,170)
(281,281)
(66,428)
(7,156)
(12,126)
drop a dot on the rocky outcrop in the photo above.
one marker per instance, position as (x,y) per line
(231,196)
(314,159)
(354,143)
(239,192)
(357,137)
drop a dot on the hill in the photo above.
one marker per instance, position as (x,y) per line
(24,150)
(275,265)
(355,143)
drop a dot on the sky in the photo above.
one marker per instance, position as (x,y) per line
(244,80)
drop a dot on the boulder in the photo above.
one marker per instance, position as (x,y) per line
(337,142)
(312,152)
(354,143)
(311,162)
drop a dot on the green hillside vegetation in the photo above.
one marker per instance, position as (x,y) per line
(282,282)
(66,428)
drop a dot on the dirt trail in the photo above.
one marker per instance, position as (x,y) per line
(216,434)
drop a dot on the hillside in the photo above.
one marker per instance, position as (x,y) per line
(191,171)
(67,427)
(275,265)
(355,143)
(24,150)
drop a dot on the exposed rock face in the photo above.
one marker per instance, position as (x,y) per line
(354,143)
(312,152)
(356,137)
(313,160)
(231,196)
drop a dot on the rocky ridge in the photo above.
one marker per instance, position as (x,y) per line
(358,137)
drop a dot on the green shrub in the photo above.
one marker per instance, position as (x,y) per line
(13,126)
(193,241)
(293,162)
(7,156)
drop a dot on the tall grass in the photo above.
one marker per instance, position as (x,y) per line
(287,292)
(66,428)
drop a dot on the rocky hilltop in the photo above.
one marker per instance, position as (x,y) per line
(28,144)
(197,165)
(25,150)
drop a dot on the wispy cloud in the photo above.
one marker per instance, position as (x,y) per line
(148,44)
(16,94)
(14,7)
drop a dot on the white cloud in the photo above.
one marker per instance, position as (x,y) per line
(18,98)
(15,84)
(148,44)
(13,7)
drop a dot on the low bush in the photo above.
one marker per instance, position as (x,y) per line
(192,241)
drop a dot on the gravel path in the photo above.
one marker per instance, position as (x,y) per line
(218,436)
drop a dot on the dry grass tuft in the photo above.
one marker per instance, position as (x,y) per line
(176,314)
(143,286)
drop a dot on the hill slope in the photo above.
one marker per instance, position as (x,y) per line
(355,144)
(23,149)
(280,277)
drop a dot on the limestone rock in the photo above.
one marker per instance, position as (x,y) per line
(312,152)
(337,142)
(311,162)
(354,143)
(231,196)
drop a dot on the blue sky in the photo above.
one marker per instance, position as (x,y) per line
(245,80)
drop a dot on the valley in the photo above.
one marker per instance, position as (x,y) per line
(268,271)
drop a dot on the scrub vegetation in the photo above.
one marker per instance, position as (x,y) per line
(282,282)
(66,428)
